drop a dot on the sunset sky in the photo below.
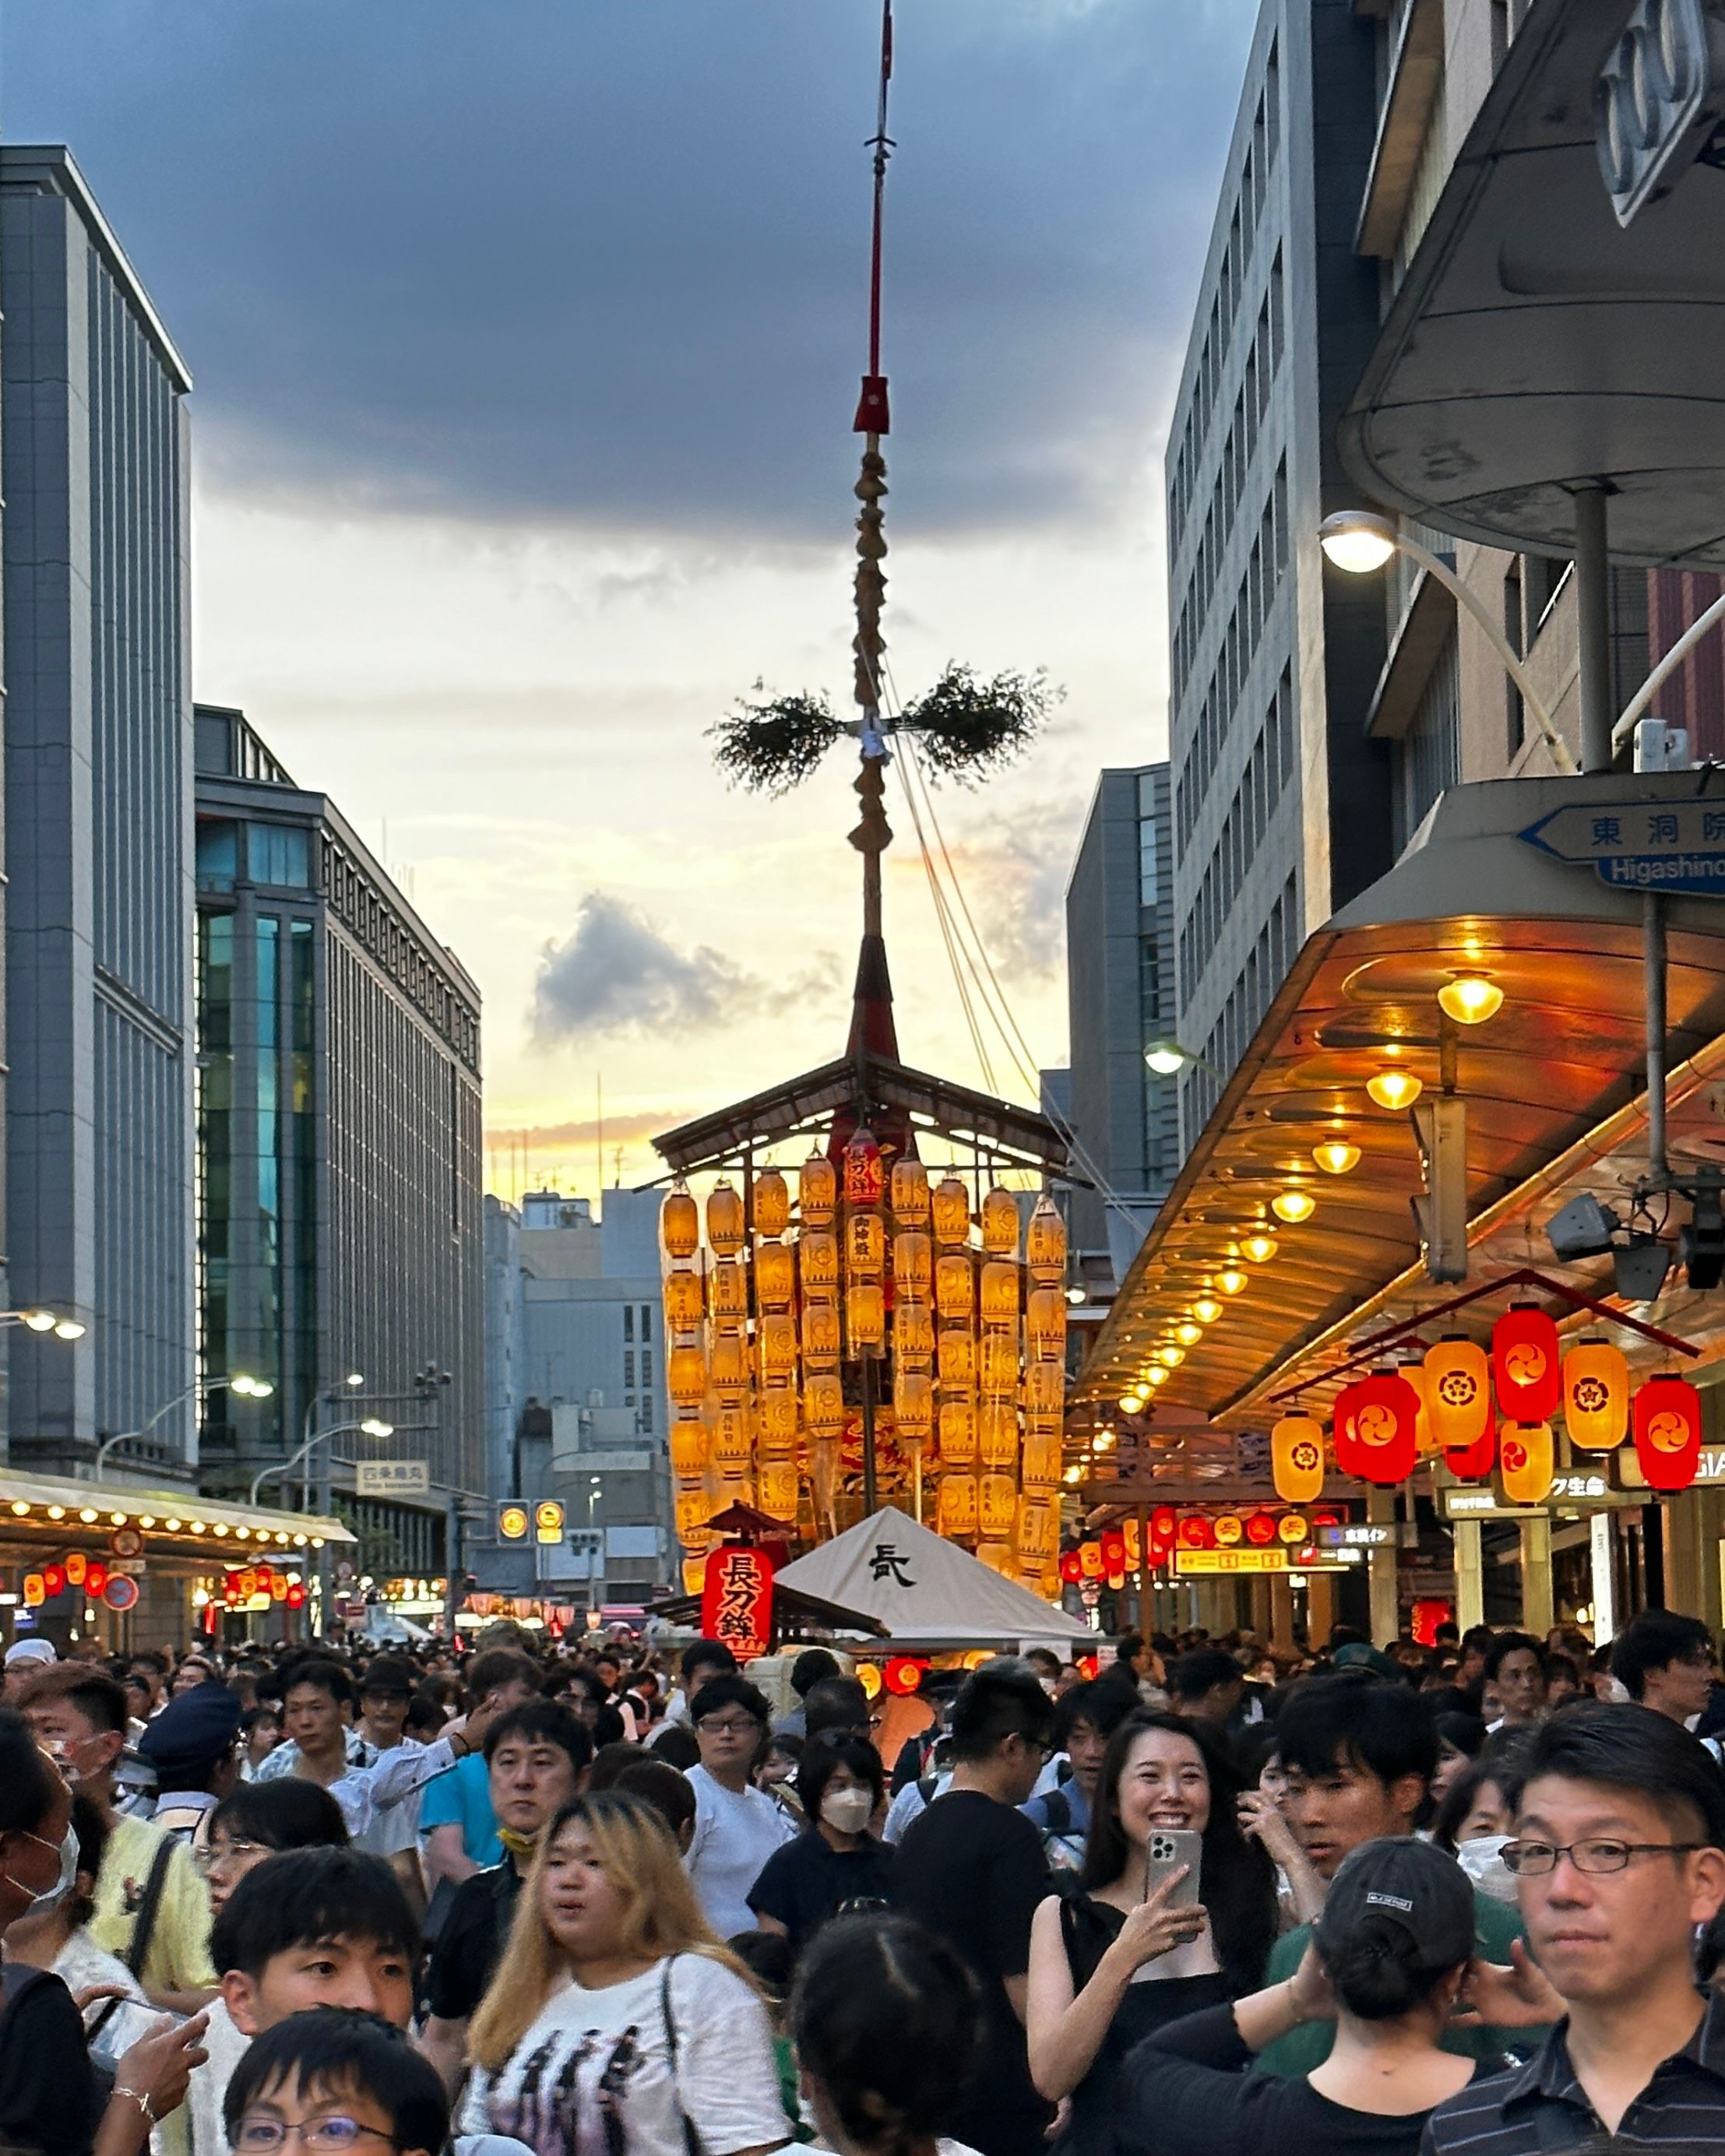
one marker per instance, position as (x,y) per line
(526,338)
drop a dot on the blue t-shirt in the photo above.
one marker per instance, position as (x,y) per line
(463,1798)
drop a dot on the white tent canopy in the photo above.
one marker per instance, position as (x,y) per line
(927,1590)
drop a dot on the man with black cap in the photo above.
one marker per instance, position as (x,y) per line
(191,1745)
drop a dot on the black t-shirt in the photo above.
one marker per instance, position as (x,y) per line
(49,2103)
(471,1942)
(974,1871)
(807,1881)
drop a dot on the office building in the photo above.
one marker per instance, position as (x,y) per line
(340,1228)
(98,1048)
(1281,803)
(1119,988)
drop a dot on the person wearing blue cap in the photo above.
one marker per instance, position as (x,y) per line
(191,1745)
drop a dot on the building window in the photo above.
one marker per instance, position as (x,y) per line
(629,1321)
(279,854)
(1516,710)
(1146,860)
(218,855)
(646,1323)
(628,1367)
(1430,754)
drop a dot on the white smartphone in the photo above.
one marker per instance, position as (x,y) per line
(1169,1847)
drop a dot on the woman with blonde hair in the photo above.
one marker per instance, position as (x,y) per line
(616,2020)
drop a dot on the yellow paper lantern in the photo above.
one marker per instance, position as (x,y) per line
(1045,1243)
(1045,1324)
(775,1345)
(688,1446)
(693,1509)
(913,1334)
(998,1363)
(816,1191)
(1296,1459)
(727,1365)
(997,1506)
(1038,1528)
(776,1414)
(733,1437)
(1042,1459)
(1000,1224)
(865,1317)
(997,1434)
(865,1246)
(824,1405)
(998,1557)
(817,1264)
(724,1219)
(777,1488)
(821,1338)
(694,1574)
(910,1193)
(1412,1367)
(912,1265)
(955,1287)
(956,1505)
(1458,1391)
(685,1376)
(913,1406)
(772,1203)
(999,1293)
(685,1304)
(1596,1395)
(679,1223)
(727,1295)
(1044,1388)
(949,1210)
(775,1276)
(958,1433)
(1527,1458)
(957,1356)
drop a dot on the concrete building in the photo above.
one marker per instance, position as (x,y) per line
(339,1205)
(98,763)
(1281,804)
(1121,970)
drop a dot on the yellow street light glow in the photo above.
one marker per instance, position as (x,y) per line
(243,1533)
(68,1328)
(1207,1310)
(39,1321)
(200,1526)
(1156,1377)
(56,1512)
(1469,998)
(1232,1281)
(1188,1334)
(1260,1249)
(298,1542)
(1356,541)
(1171,1356)
(1395,1089)
(1293,1206)
(87,1515)
(20,1508)
(317,1542)
(1336,1155)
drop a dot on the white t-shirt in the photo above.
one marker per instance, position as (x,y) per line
(736,1832)
(594,2070)
(207,2090)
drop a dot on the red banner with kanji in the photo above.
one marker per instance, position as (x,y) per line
(736,1600)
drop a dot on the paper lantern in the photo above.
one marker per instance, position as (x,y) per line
(1113,1546)
(999,1293)
(910,1193)
(736,1601)
(688,1446)
(727,1365)
(865,1317)
(1596,1395)
(1458,1392)
(820,1335)
(776,1418)
(1045,1324)
(912,1265)
(772,1203)
(775,1276)
(1528,1460)
(957,1356)
(1129,1536)
(776,1344)
(956,1421)
(1000,1224)
(727,1295)
(693,1509)
(865,1245)
(35,1590)
(998,1363)
(903,1676)
(724,1219)
(823,1405)
(816,1191)
(730,1437)
(913,1334)
(1045,1243)
(1525,1365)
(997,1434)
(1411,1370)
(949,1211)
(1473,1463)
(956,1505)
(1375,1421)
(685,1376)
(1164,1521)
(817,1264)
(865,1176)
(684,1305)
(693,1573)
(1667,1423)
(913,1406)
(1227,1528)
(998,1557)
(1261,1529)
(679,1223)
(1071,1569)
(1297,1458)
(1042,1459)
(1196,1532)
(1044,1388)
(997,1506)
(1090,1559)
(1039,1528)
(1292,1529)
(955,1287)
(778,1488)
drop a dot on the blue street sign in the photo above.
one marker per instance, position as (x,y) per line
(1640,845)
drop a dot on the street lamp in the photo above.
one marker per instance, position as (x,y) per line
(248,1387)
(1167,1057)
(45,1321)
(1359,543)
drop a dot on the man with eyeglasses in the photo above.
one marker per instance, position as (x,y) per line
(1620,1857)
(737,1827)
(971,1868)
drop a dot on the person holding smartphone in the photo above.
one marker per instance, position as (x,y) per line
(1173,1911)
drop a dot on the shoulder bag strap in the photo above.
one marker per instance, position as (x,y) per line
(691,2137)
(143,1931)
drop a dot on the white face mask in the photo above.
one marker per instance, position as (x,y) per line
(847,1811)
(1482,1860)
(51,1897)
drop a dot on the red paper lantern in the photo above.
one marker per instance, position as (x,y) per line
(95,1577)
(1380,1416)
(736,1600)
(1473,1463)
(1071,1569)
(54,1580)
(1667,1423)
(1090,1664)
(865,1181)
(1113,1552)
(1261,1529)
(1196,1533)
(902,1675)
(296,1595)
(1164,1521)
(1527,1364)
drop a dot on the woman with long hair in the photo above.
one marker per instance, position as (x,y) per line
(1111,1962)
(616,2020)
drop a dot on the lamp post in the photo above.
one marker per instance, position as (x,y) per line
(45,1321)
(1359,541)
(594,1485)
(248,1388)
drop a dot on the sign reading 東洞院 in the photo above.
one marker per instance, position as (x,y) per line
(391,1478)
(1640,845)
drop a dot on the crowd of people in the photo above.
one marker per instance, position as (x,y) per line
(635,1900)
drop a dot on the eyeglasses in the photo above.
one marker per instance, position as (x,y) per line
(712,1727)
(1533,1860)
(333,2136)
(210,1855)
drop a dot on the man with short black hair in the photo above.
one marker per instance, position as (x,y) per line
(737,1827)
(1515,1667)
(458,1827)
(316,1691)
(702,1659)
(972,1869)
(1085,1719)
(1619,1859)
(1665,1662)
(810,1667)
(1206,1685)
(837,1706)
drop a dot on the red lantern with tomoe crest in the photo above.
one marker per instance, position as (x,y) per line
(1473,1463)
(1526,1363)
(736,1600)
(1381,1413)
(1667,1425)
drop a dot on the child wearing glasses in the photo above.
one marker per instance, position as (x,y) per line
(333,2081)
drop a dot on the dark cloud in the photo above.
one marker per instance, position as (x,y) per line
(602,260)
(616,973)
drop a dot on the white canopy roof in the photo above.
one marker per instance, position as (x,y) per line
(927,1590)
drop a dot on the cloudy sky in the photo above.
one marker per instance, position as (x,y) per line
(526,338)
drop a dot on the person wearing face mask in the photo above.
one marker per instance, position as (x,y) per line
(1110,1962)
(49,2100)
(835,1864)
